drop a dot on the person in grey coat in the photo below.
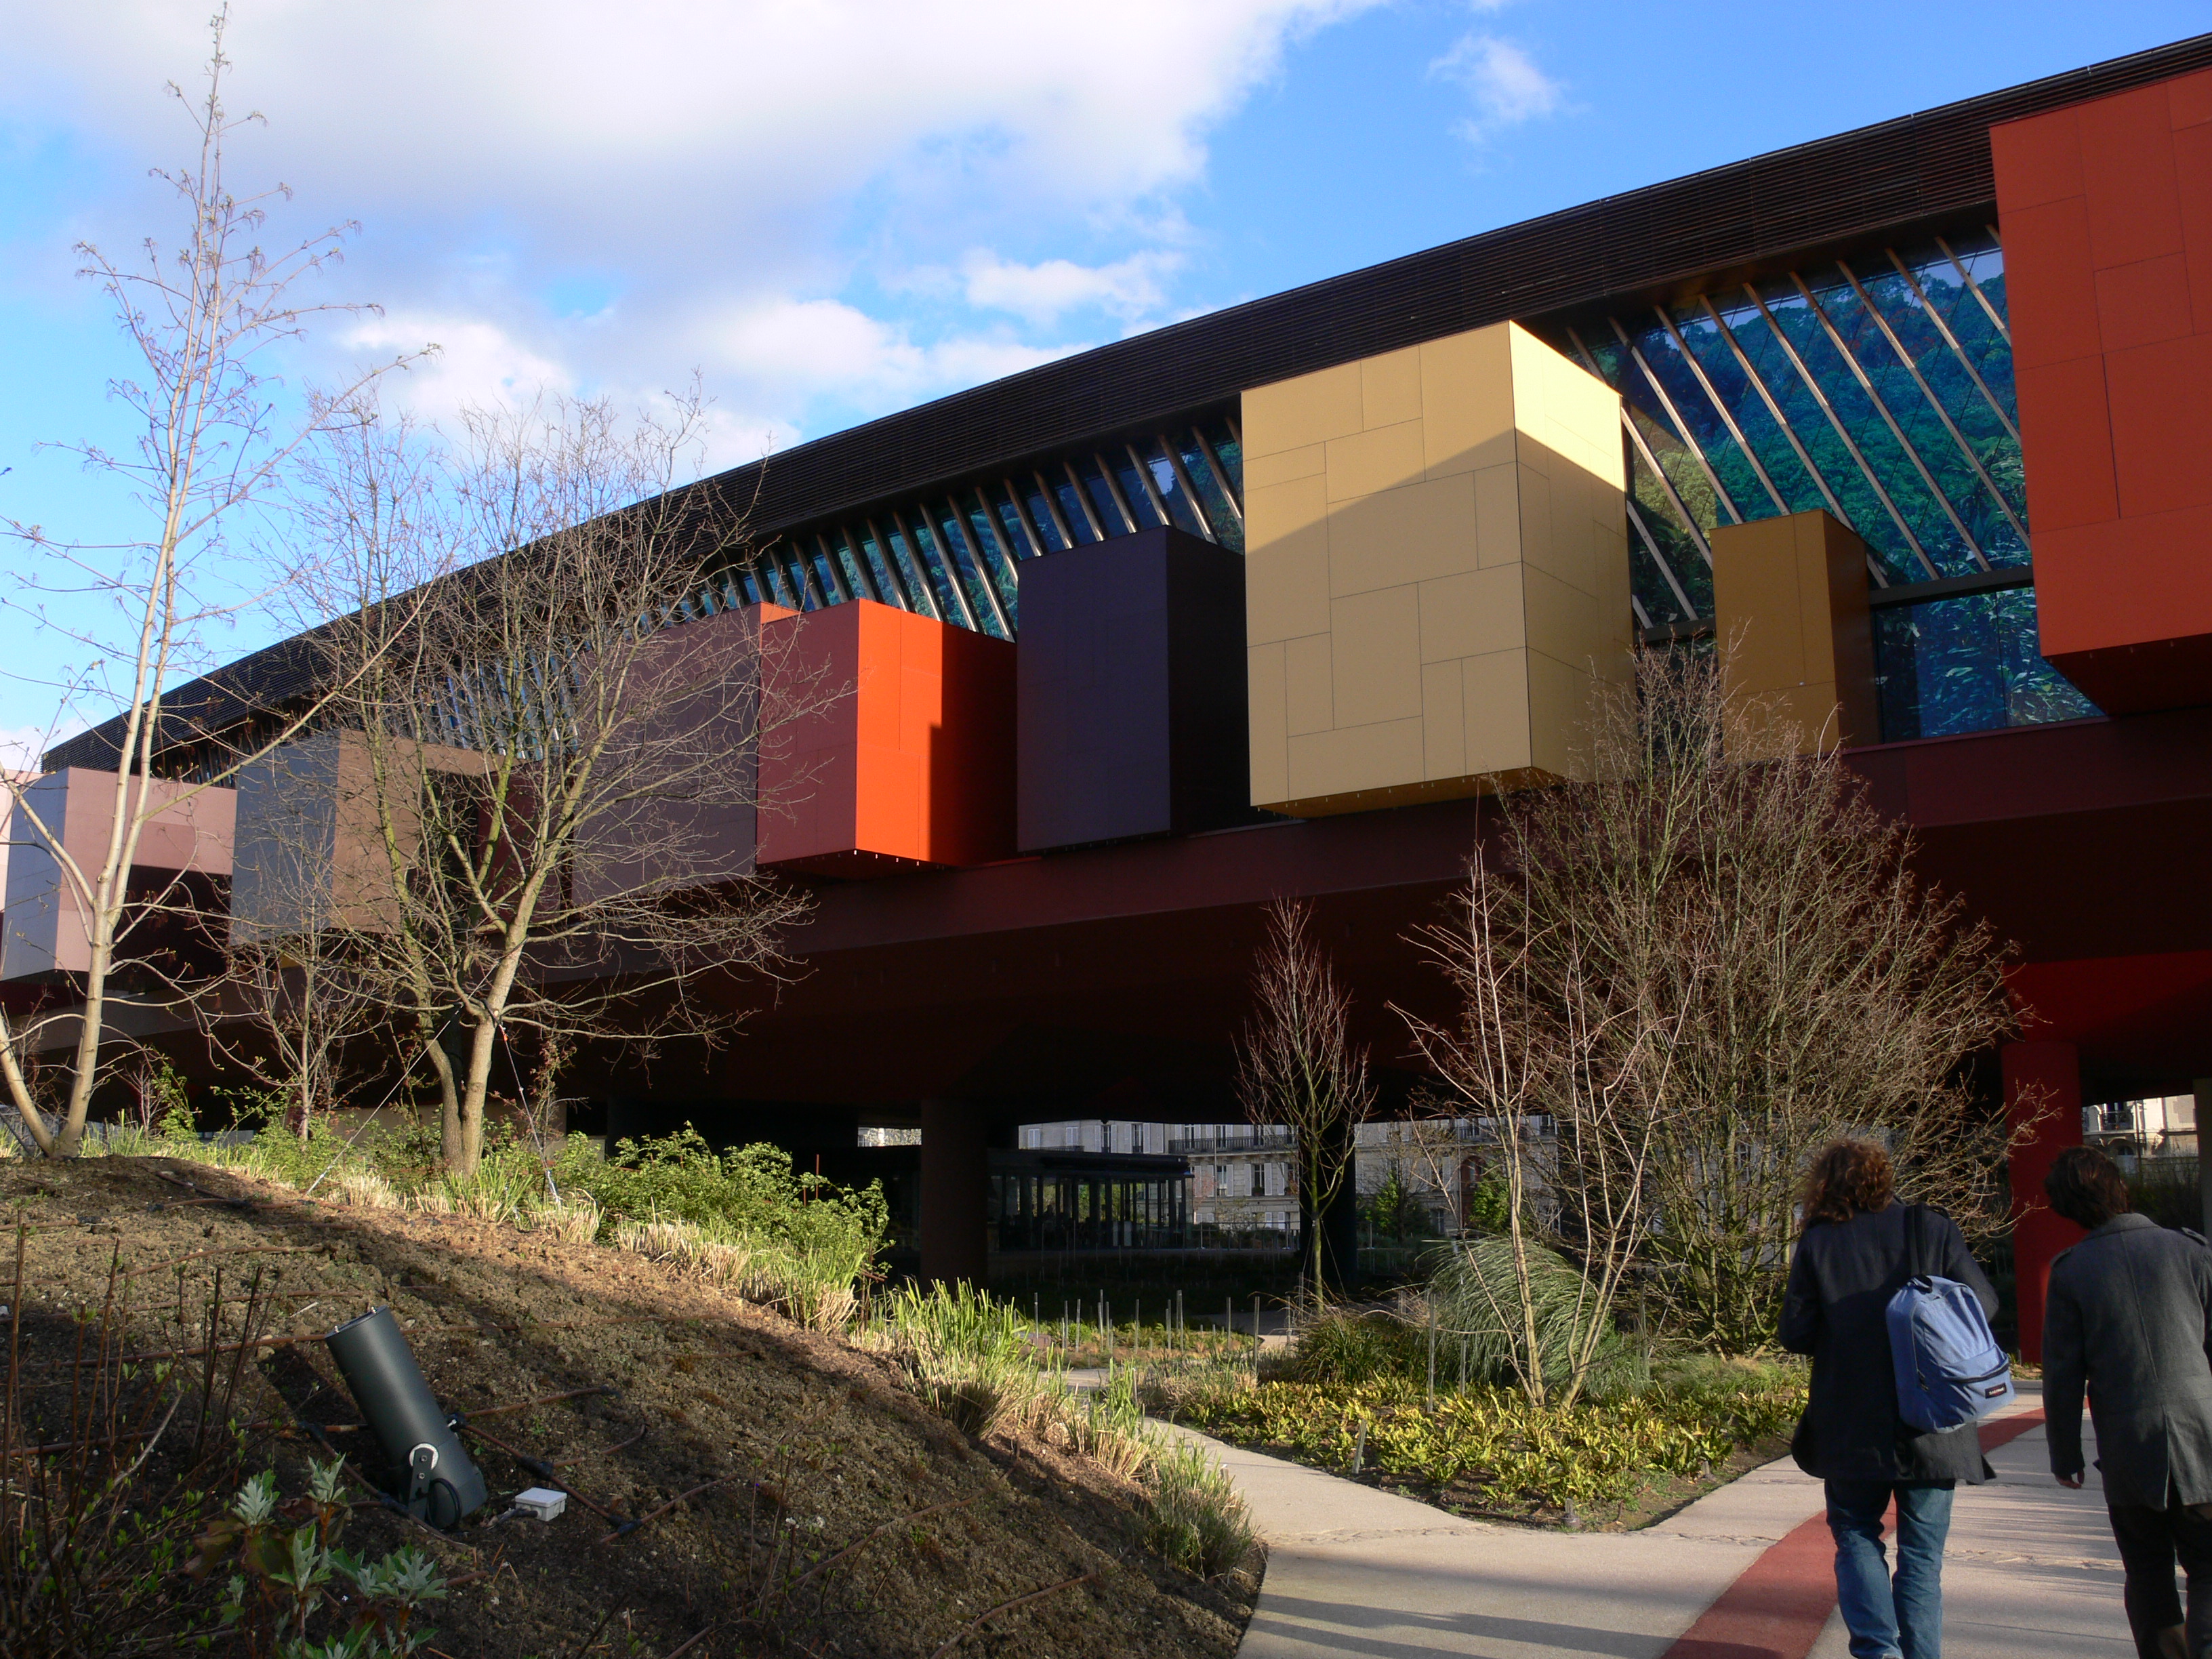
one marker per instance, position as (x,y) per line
(1856,1251)
(2129,1318)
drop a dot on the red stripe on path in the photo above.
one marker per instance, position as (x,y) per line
(1777,1608)
(1997,1431)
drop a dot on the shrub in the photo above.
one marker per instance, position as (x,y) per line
(1198,1520)
(745,1218)
(279,1576)
(974,1362)
(789,1239)
(752,1193)
(1476,1303)
(1356,1347)
(968,1357)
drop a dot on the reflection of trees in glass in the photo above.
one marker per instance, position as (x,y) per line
(1969,664)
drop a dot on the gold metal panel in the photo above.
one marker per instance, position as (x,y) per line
(1356,757)
(1444,721)
(1426,530)
(1270,722)
(1376,648)
(1495,693)
(1308,409)
(1286,585)
(1284,465)
(1473,613)
(1309,694)
(1362,462)
(1467,401)
(1391,388)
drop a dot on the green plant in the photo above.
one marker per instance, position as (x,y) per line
(968,1357)
(810,1239)
(1492,1443)
(1489,1205)
(280,1561)
(110,1464)
(1393,1213)
(1355,1347)
(2166,1190)
(1197,1520)
(1475,1299)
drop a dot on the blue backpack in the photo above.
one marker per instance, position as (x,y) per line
(1950,1370)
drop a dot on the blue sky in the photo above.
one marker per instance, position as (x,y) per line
(833,210)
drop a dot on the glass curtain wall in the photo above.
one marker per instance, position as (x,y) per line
(1881,388)
(1060,1210)
(952,555)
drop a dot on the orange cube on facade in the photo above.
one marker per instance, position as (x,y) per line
(903,751)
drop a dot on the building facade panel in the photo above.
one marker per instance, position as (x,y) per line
(1132,701)
(1478,572)
(2101,207)
(908,757)
(71,813)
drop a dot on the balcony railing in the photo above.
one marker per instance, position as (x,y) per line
(1242,1140)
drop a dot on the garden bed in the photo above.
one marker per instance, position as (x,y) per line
(794,1445)
(1487,1454)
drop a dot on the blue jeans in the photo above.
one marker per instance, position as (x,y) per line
(1888,1618)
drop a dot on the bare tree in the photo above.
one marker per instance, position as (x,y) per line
(201,317)
(291,1007)
(1729,962)
(1296,1064)
(558,787)
(1575,1081)
(1435,1142)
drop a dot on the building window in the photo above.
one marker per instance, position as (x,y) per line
(1966,664)
(1878,388)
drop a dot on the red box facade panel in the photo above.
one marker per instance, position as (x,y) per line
(2128,177)
(2106,214)
(2192,155)
(907,755)
(2161,444)
(2069,420)
(2050,287)
(2143,303)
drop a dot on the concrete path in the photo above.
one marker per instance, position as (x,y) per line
(1744,1573)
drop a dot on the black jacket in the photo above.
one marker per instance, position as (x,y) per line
(2129,1315)
(1836,1309)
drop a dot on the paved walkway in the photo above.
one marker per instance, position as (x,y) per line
(1743,1573)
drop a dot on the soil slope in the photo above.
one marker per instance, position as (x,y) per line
(813,1445)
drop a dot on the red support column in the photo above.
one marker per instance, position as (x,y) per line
(954,1186)
(2042,1080)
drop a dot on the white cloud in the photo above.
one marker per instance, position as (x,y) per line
(730,174)
(1045,291)
(1504,83)
(785,348)
(475,360)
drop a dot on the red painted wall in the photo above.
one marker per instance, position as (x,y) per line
(2043,1085)
(2105,210)
(913,765)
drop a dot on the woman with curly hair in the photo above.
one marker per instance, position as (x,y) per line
(1856,1251)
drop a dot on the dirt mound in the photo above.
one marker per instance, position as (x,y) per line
(826,1511)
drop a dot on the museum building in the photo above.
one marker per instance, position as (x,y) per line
(1265,602)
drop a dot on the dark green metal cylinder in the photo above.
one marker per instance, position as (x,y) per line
(442,1485)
